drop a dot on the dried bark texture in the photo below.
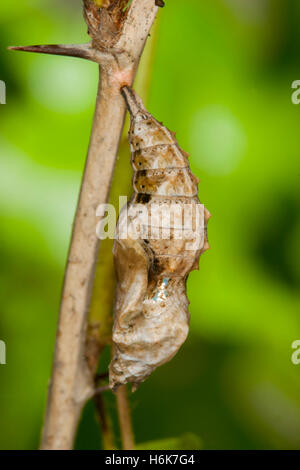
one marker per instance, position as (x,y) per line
(118,55)
(160,237)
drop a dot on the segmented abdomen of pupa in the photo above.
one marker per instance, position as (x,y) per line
(160,236)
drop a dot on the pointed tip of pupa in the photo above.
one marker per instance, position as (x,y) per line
(207,215)
(134,103)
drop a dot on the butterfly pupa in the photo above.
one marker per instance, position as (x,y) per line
(160,236)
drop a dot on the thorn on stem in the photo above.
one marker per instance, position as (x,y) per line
(71,50)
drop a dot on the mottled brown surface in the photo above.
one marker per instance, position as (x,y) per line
(105,23)
(154,252)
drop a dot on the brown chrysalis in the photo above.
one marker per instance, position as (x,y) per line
(160,236)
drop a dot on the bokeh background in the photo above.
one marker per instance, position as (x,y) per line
(221,78)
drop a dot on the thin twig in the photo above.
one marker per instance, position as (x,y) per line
(103,388)
(105,424)
(125,419)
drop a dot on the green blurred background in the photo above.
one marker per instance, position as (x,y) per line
(221,78)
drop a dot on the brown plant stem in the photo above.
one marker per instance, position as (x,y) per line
(118,52)
(125,419)
(72,383)
(105,423)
